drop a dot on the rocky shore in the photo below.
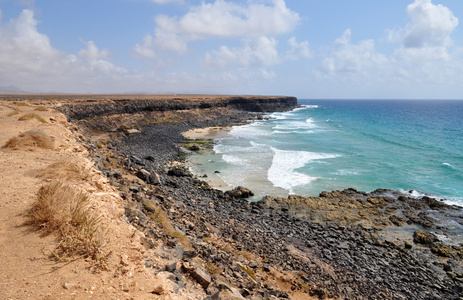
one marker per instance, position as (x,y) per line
(343,244)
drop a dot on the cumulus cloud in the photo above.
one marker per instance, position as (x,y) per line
(92,52)
(22,47)
(30,62)
(260,51)
(430,25)
(220,19)
(298,50)
(425,59)
(427,35)
(28,58)
(353,58)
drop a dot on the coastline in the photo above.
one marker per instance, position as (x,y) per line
(293,247)
(278,216)
(451,235)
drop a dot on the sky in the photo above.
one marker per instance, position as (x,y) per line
(337,49)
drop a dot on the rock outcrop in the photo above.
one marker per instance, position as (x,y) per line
(81,109)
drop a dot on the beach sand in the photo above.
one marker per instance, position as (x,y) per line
(196,161)
(207,133)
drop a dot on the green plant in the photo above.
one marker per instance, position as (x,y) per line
(160,217)
(249,271)
(31,116)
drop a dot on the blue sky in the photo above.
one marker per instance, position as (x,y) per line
(356,49)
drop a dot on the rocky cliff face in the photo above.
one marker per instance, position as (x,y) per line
(81,109)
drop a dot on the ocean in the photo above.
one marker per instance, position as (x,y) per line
(325,145)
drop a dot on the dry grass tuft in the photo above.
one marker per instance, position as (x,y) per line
(31,116)
(30,139)
(62,210)
(63,170)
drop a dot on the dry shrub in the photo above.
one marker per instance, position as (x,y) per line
(30,139)
(31,116)
(62,210)
(63,170)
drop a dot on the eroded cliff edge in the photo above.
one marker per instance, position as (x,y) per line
(99,106)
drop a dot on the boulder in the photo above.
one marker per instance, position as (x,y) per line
(424,238)
(240,192)
(179,172)
(143,175)
(198,273)
(154,178)
(226,287)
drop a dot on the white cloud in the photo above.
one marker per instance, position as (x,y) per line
(430,25)
(145,49)
(427,35)
(22,48)
(28,60)
(425,63)
(92,52)
(353,58)
(260,51)
(424,54)
(220,19)
(298,50)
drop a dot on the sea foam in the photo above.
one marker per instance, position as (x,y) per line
(282,172)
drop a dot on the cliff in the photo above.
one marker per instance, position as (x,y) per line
(77,109)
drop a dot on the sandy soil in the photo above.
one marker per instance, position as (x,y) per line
(26,272)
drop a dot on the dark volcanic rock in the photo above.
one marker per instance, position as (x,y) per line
(317,246)
(240,192)
(83,109)
(179,172)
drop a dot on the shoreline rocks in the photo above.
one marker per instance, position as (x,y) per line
(327,246)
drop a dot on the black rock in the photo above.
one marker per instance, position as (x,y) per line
(240,192)
(179,172)
(150,158)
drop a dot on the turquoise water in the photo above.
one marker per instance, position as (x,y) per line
(332,145)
